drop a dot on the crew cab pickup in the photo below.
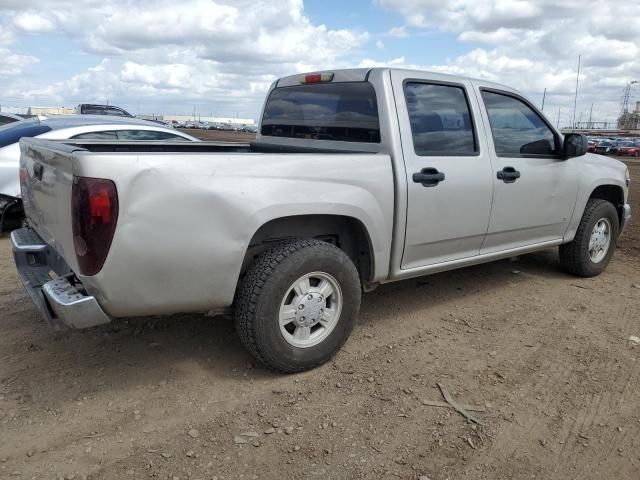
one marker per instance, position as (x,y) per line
(357,178)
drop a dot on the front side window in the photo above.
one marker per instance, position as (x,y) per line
(517,129)
(440,119)
(346,112)
(149,135)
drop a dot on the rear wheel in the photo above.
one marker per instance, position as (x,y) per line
(298,304)
(592,248)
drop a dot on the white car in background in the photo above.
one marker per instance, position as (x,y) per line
(86,127)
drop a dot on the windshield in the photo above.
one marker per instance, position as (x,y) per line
(12,133)
(345,112)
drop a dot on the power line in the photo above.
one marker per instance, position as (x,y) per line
(575,98)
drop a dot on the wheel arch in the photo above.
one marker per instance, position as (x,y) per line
(346,232)
(611,193)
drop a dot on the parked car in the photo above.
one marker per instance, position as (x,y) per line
(87,127)
(629,148)
(95,109)
(357,177)
(591,146)
(6,117)
(606,147)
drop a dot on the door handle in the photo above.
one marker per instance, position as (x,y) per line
(428,177)
(508,175)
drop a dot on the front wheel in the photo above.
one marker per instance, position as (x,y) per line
(297,305)
(592,248)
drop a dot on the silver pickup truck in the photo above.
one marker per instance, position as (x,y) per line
(357,177)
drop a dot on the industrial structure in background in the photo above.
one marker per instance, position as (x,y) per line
(629,120)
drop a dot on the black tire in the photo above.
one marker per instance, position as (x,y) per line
(574,256)
(263,289)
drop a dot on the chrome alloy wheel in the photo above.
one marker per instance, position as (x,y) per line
(600,240)
(310,309)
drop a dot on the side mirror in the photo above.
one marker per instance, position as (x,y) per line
(575,145)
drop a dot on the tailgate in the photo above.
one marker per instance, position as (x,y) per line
(46,177)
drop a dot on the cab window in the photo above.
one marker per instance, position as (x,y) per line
(440,119)
(518,131)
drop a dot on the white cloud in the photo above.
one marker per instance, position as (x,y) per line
(32,22)
(12,64)
(534,44)
(398,32)
(223,52)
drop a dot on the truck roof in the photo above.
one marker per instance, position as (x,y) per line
(361,74)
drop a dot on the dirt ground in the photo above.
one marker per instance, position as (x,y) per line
(545,355)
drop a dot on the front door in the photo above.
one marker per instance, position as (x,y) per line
(534,190)
(448,169)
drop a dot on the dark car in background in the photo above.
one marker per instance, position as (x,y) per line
(606,147)
(96,109)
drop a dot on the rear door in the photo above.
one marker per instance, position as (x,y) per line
(534,189)
(448,168)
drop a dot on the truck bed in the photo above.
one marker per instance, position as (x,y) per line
(187,212)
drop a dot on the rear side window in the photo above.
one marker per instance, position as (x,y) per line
(96,136)
(13,132)
(440,119)
(149,135)
(517,129)
(5,120)
(346,112)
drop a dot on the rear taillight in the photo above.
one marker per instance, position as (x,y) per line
(94,212)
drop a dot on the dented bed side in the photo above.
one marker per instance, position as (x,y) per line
(186,219)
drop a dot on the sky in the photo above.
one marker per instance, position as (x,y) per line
(220,56)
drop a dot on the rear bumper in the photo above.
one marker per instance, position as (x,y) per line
(62,300)
(625,217)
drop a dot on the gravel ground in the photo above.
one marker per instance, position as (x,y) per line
(545,357)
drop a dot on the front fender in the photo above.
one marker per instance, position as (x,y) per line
(595,171)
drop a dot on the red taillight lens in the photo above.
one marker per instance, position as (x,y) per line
(94,212)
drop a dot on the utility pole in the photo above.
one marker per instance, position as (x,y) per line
(590,113)
(575,98)
(558,121)
(544,95)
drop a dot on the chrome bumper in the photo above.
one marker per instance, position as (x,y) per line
(62,300)
(625,217)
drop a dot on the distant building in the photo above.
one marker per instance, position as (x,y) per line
(51,111)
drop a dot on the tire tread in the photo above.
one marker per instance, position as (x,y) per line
(574,256)
(251,289)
